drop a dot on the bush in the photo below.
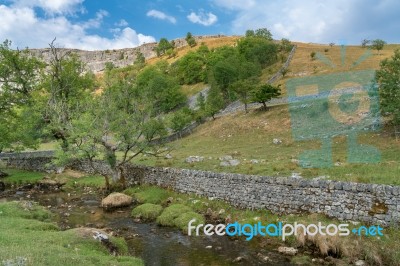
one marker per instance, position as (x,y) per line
(147,211)
(180,120)
(312,55)
(168,216)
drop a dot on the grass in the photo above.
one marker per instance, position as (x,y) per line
(250,136)
(17,176)
(86,181)
(302,65)
(27,238)
(153,195)
(147,211)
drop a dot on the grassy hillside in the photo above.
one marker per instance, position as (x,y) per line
(302,65)
(250,136)
(210,42)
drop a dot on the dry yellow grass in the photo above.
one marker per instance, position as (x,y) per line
(210,42)
(302,65)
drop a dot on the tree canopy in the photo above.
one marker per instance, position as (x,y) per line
(388,77)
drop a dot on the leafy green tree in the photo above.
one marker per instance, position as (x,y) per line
(250,33)
(263,33)
(225,73)
(19,81)
(264,93)
(378,44)
(215,101)
(163,46)
(190,40)
(161,89)
(365,43)
(190,69)
(286,45)
(115,122)
(258,50)
(180,120)
(67,83)
(243,89)
(388,77)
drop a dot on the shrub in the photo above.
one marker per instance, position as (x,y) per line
(312,55)
(147,211)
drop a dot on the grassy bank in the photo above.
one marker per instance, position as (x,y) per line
(27,237)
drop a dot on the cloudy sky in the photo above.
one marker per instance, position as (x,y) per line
(96,25)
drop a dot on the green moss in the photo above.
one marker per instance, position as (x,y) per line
(148,194)
(17,176)
(147,211)
(182,221)
(172,212)
(86,181)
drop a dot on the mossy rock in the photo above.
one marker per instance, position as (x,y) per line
(182,221)
(172,212)
(147,211)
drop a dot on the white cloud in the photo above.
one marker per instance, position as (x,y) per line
(24,27)
(95,22)
(160,15)
(315,20)
(122,23)
(235,5)
(52,6)
(206,19)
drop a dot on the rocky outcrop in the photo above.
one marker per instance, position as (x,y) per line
(96,60)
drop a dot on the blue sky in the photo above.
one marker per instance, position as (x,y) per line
(96,25)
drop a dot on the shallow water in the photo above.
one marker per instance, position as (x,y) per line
(154,244)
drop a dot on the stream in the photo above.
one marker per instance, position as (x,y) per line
(154,244)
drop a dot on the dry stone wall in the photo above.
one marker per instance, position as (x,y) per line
(372,203)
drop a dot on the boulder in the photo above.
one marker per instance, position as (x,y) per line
(194,159)
(288,250)
(233,162)
(116,200)
(226,158)
(276,141)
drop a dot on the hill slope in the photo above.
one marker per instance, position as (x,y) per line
(251,136)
